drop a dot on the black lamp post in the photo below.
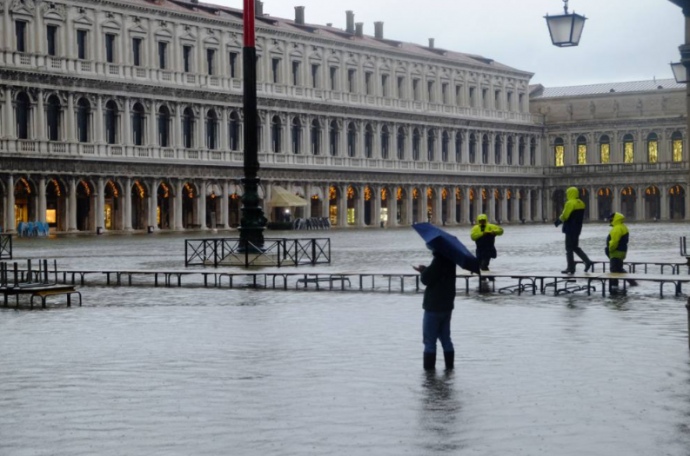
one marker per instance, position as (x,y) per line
(253,220)
(565,29)
(680,69)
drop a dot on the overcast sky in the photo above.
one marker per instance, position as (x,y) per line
(623,40)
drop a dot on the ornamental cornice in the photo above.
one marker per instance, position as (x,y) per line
(19,6)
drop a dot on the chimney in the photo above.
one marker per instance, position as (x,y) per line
(350,22)
(299,15)
(359,29)
(378,30)
(431,43)
(329,24)
(258,7)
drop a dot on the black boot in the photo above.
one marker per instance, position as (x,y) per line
(429,361)
(450,360)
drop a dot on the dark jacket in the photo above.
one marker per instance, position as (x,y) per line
(573,213)
(439,279)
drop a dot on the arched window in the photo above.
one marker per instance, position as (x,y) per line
(369,141)
(83,117)
(431,145)
(458,147)
(677,146)
(315,137)
(498,144)
(385,141)
(333,134)
(296,135)
(164,126)
(234,133)
(211,129)
(111,122)
(485,149)
(351,139)
(604,150)
(416,139)
(445,143)
(401,143)
(652,148)
(188,122)
(276,134)
(559,152)
(521,151)
(581,150)
(628,149)
(473,148)
(53,111)
(509,150)
(533,152)
(23,106)
(138,124)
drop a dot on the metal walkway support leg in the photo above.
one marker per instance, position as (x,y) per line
(687,306)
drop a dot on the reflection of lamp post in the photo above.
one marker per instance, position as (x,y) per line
(565,29)
(253,220)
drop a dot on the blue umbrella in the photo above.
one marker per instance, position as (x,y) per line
(447,245)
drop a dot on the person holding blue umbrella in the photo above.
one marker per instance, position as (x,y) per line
(438,304)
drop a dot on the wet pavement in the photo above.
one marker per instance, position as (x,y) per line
(170,371)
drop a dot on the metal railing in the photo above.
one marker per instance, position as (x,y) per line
(6,246)
(275,252)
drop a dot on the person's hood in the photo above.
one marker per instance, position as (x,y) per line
(616,218)
(482,217)
(572,193)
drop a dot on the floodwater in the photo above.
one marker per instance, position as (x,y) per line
(192,371)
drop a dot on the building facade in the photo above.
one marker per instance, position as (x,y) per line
(127,115)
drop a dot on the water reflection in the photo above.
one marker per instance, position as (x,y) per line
(439,413)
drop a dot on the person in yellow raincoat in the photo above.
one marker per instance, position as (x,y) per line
(572,216)
(484,235)
(617,248)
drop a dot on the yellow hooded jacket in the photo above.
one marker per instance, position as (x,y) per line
(485,238)
(617,240)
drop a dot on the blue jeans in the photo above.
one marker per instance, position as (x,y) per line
(436,325)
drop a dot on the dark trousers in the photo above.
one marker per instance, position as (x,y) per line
(615,265)
(436,326)
(572,246)
(484,263)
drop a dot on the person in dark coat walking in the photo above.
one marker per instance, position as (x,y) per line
(571,218)
(438,304)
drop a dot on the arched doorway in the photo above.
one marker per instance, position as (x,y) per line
(139,207)
(498,214)
(316,202)
(189,210)
(56,205)
(628,198)
(368,206)
(113,209)
(416,206)
(333,197)
(24,201)
(431,208)
(458,205)
(604,202)
(352,205)
(473,210)
(400,198)
(85,206)
(584,196)
(676,203)
(652,203)
(386,207)
(164,206)
(558,200)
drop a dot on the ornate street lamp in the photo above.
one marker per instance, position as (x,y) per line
(680,69)
(253,220)
(565,29)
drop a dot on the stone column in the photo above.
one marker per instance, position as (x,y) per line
(639,203)
(409,205)
(201,205)
(128,203)
(10,124)
(71,126)
(225,206)
(438,210)
(452,207)
(376,219)
(10,220)
(72,207)
(527,206)
(152,200)
(359,211)
(100,204)
(342,206)
(224,125)
(40,125)
(42,204)
(665,201)
(127,129)
(393,208)
(466,206)
(515,217)
(492,204)
(179,189)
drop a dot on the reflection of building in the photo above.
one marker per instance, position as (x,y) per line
(128,115)
(621,143)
